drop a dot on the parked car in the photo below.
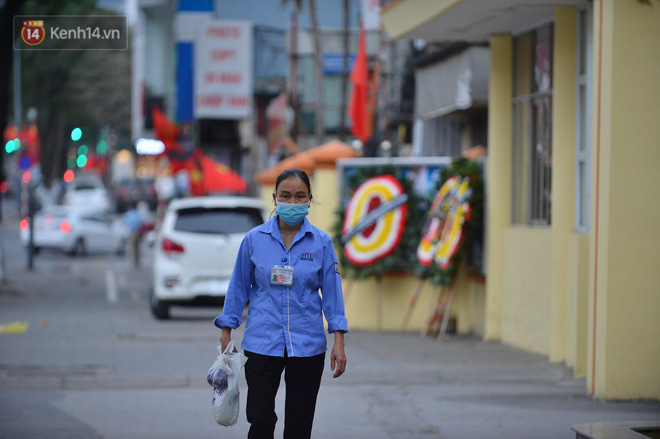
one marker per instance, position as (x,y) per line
(88,191)
(77,231)
(196,247)
(130,191)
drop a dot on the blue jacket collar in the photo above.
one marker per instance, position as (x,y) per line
(272,227)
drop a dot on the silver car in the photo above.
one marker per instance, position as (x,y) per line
(75,230)
(196,247)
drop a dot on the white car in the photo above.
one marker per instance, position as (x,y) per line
(77,231)
(88,190)
(196,247)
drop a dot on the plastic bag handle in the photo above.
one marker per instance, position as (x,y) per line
(230,347)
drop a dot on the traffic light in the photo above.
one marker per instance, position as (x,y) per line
(68,176)
(102,147)
(12,145)
(81,161)
(76,134)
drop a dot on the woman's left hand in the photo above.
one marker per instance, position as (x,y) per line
(337,356)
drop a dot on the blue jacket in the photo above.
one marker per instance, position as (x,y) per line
(285,317)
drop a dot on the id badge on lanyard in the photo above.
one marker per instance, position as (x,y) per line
(281,274)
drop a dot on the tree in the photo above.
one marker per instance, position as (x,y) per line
(7,13)
(319,130)
(73,88)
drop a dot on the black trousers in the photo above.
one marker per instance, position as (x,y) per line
(302,376)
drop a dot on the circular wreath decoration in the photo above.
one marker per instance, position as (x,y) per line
(388,244)
(454,215)
(374,220)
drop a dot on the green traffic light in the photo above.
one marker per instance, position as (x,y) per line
(82,150)
(12,145)
(76,134)
(102,147)
(81,161)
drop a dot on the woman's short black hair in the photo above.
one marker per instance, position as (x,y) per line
(294,173)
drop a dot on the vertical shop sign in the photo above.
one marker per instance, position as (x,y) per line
(223,70)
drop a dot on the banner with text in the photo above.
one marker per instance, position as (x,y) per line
(223,70)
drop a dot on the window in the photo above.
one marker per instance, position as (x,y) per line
(217,220)
(583,122)
(532,128)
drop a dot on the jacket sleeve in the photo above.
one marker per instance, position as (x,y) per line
(238,291)
(333,297)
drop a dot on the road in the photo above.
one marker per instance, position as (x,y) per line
(93,363)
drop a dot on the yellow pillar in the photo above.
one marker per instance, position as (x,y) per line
(624,352)
(563,170)
(498,197)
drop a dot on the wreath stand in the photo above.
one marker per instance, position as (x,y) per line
(438,317)
(413,302)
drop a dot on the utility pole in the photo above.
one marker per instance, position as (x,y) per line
(293,76)
(319,119)
(18,108)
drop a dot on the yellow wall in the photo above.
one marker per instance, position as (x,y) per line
(527,287)
(591,300)
(384,306)
(325,199)
(624,290)
(371,305)
(531,260)
(498,188)
(470,303)
(266,194)
(563,170)
(577,291)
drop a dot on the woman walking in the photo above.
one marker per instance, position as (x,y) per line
(280,268)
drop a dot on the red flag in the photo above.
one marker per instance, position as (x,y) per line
(195,176)
(357,106)
(165,129)
(10,133)
(206,175)
(168,133)
(217,178)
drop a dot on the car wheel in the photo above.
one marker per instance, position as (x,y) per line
(79,248)
(159,309)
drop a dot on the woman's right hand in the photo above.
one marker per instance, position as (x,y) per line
(225,338)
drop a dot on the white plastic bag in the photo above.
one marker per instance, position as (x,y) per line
(223,376)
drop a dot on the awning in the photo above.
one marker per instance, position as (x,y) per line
(455,83)
(467,20)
